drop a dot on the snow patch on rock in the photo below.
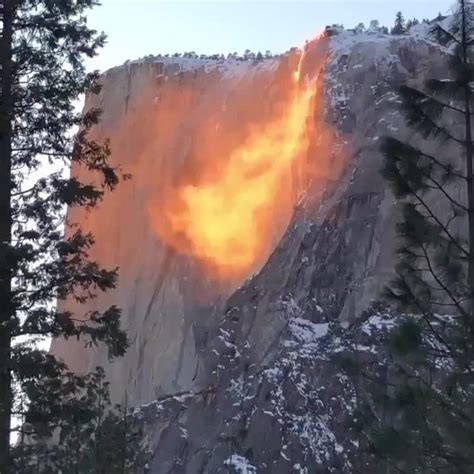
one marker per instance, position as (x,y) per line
(240,464)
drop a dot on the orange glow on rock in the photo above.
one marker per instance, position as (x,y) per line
(223,211)
(223,219)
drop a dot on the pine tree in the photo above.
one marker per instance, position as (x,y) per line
(423,420)
(92,435)
(360,28)
(374,26)
(399,26)
(43,45)
(411,23)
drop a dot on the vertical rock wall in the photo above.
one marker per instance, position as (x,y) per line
(164,118)
(242,380)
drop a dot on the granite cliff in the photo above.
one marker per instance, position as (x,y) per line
(236,374)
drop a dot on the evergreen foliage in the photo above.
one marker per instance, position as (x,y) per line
(420,416)
(411,23)
(374,25)
(360,28)
(399,27)
(89,434)
(43,45)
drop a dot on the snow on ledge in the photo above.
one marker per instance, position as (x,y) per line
(305,331)
(240,464)
(230,67)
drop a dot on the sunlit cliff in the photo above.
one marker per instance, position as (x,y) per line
(223,154)
(255,230)
(247,166)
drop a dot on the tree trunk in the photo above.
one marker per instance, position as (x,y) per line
(6,306)
(469,167)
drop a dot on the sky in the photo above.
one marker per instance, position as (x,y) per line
(136,28)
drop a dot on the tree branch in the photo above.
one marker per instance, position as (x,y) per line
(442,227)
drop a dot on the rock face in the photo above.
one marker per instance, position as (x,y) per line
(243,380)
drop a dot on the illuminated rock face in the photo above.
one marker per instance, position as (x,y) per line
(246,140)
(247,371)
